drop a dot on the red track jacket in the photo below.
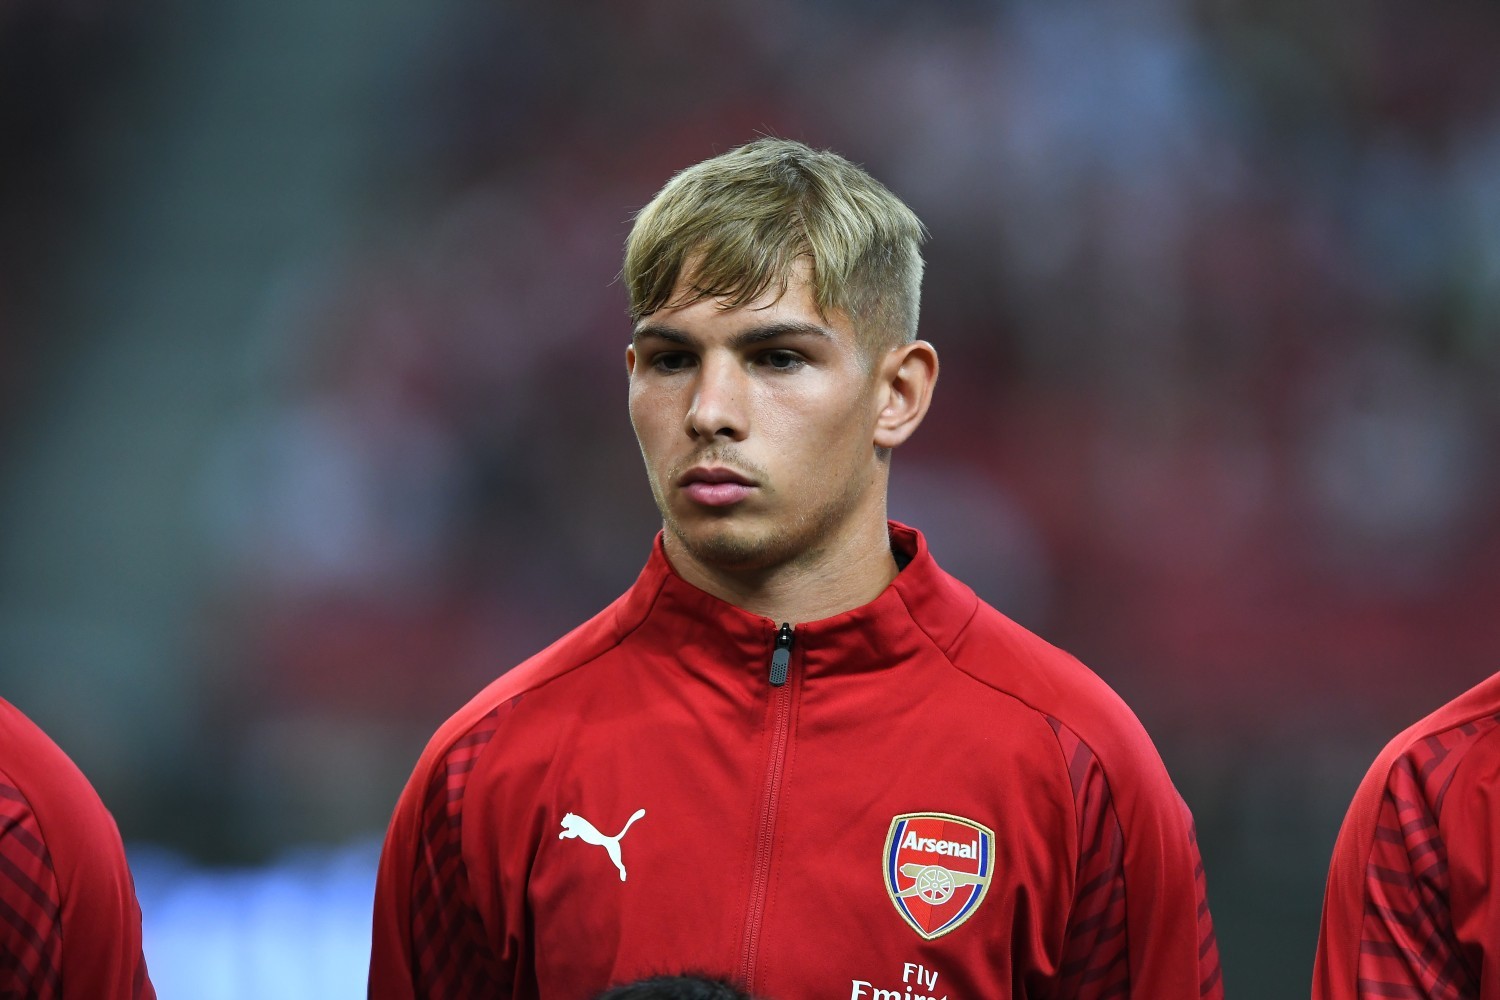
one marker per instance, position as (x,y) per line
(916,798)
(69,923)
(1410,909)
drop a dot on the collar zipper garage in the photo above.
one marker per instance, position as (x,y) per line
(781,655)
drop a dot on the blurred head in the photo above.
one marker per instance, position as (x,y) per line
(739,225)
(675,988)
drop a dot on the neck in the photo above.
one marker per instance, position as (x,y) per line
(847,573)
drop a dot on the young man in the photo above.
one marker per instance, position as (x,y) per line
(69,923)
(1410,909)
(795,753)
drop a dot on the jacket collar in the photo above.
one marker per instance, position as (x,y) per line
(921,607)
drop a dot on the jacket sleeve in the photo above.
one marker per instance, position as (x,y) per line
(429,940)
(1469,822)
(1139,925)
(30,903)
(1173,948)
(1407,910)
(71,922)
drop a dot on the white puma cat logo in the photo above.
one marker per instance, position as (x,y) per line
(574,825)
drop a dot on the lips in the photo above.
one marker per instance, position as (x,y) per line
(715,487)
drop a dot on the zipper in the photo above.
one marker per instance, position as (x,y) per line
(781,655)
(781,730)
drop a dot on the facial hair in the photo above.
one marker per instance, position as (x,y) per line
(798,536)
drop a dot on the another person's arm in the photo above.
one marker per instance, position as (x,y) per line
(1409,907)
(71,925)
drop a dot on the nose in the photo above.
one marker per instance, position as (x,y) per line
(718,408)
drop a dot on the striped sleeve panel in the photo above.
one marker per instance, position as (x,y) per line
(1407,942)
(450,955)
(30,905)
(1096,957)
(1212,983)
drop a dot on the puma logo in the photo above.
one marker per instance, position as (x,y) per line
(574,825)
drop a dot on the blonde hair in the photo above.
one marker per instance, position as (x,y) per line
(735,225)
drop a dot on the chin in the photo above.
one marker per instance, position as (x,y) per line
(722,546)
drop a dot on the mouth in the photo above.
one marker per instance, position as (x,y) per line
(715,486)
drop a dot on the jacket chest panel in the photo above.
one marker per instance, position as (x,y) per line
(681,819)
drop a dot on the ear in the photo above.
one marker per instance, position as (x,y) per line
(908,374)
(630,360)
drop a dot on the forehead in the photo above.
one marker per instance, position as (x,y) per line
(792,311)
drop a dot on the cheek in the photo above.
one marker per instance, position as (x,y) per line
(633,407)
(645,413)
(658,431)
(646,435)
(827,424)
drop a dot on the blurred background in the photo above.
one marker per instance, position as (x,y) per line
(312,400)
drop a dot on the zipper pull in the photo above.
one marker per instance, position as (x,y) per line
(781,656)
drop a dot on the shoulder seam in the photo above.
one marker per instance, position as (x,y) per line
(1403,743)
(1442,793)
(1007,692)
(623,632)
(922,627)
(492,712)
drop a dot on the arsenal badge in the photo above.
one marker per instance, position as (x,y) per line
(937,869)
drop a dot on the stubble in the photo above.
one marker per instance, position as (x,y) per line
(740,543)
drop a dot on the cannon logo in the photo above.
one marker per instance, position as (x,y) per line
(937,869)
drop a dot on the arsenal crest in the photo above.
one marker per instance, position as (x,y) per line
(937,869)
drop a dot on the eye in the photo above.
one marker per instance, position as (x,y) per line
(671,361)
(782,361)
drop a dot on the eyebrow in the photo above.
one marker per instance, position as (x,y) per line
(745,338)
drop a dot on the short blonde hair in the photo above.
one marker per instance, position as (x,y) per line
(740,221)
